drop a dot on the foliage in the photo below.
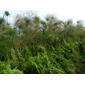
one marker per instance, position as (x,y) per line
(5,68)
(37,46)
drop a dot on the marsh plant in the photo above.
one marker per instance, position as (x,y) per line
(37,46)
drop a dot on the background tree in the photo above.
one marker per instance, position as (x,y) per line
(6,13)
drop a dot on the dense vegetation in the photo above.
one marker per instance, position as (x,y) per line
(34,45)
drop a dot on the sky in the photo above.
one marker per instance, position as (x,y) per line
(63,9)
